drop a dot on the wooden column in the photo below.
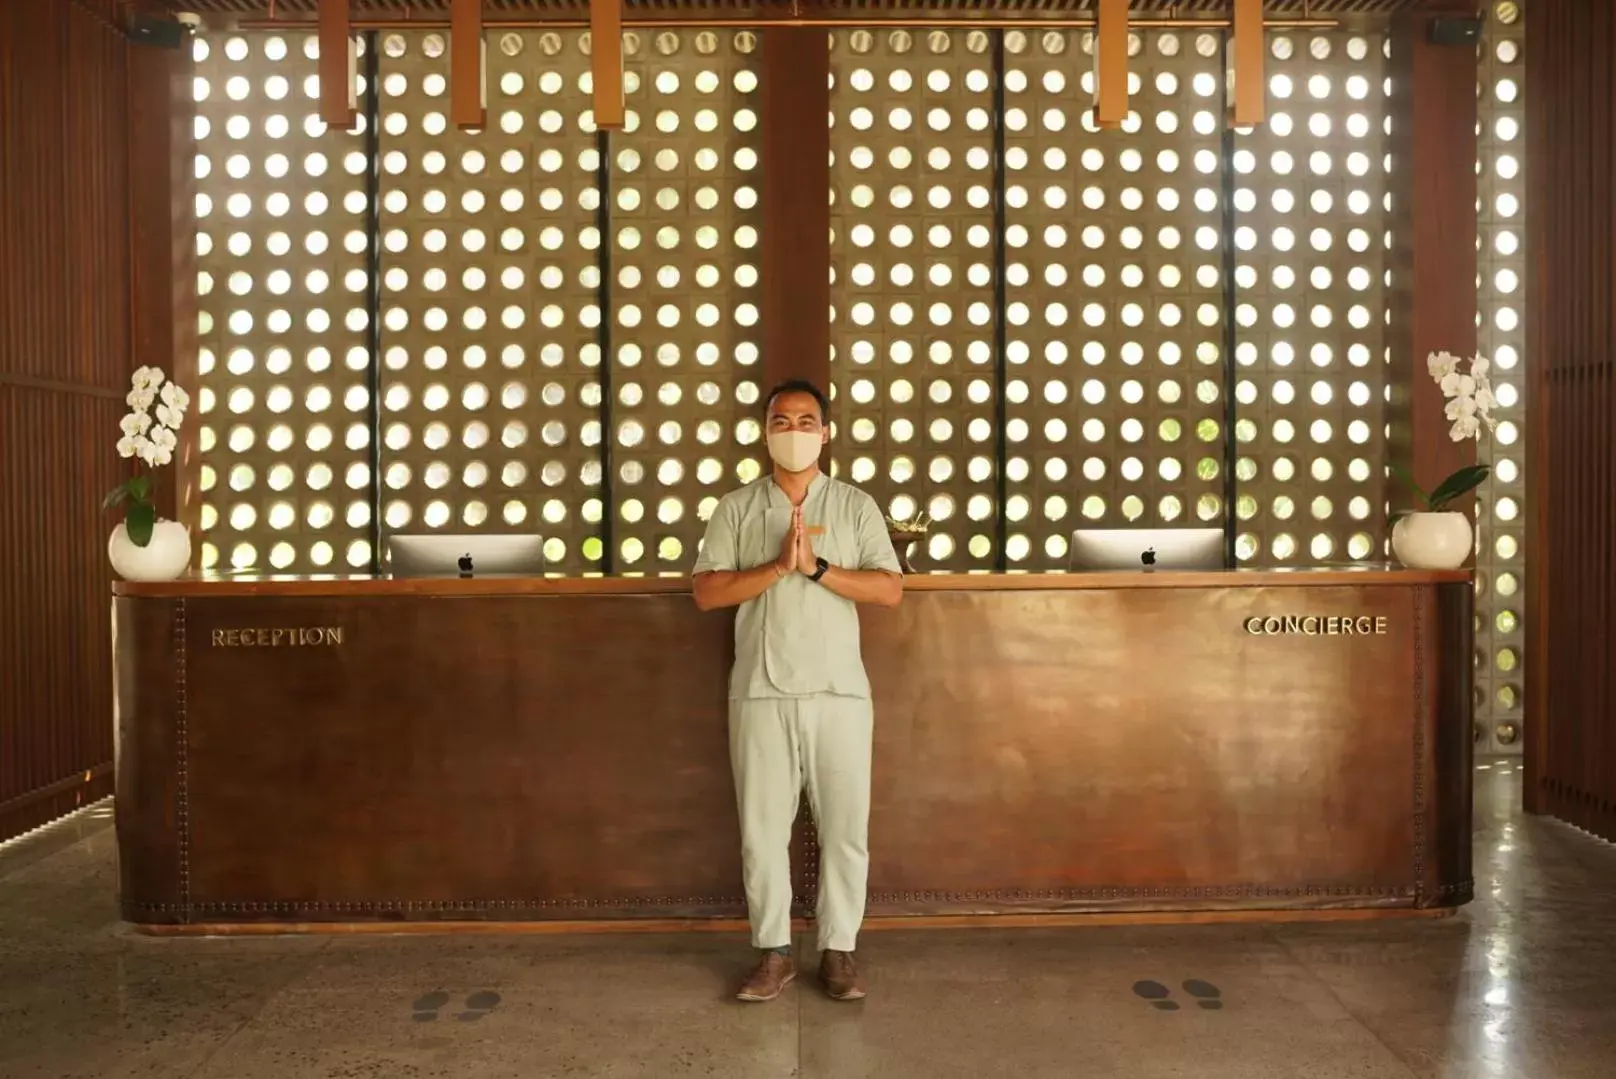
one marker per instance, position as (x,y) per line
(795,265)
(1433,291)
(162,252)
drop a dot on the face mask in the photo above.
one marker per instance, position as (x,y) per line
(794,451)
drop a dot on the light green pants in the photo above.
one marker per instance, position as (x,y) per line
(778,748)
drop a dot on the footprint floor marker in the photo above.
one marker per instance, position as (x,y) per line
(1160,997)
(1206,994)
(427,1007)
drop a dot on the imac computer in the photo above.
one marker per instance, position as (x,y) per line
(1147,549)
(435,555)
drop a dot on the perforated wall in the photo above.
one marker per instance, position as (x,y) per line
(569,344)
(1311,255)
(684,291)
(490,297)
(1115,290)
(283,399)
(912,256)
(1501,329)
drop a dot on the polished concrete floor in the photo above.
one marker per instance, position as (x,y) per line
(1523,983)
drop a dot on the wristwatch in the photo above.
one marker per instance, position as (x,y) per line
(820,572)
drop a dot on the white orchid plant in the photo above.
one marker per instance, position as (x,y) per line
(156,412)
(1470,405)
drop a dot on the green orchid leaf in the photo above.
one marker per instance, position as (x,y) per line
(1407,478)
(139,488)
(140,521)
(115,497)
(1459,484)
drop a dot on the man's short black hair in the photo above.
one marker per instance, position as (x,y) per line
(799,385)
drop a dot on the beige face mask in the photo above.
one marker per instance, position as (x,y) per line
(794,451)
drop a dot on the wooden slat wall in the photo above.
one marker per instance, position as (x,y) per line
(64,360)
(1571,293)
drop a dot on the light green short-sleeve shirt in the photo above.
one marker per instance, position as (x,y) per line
(798,638)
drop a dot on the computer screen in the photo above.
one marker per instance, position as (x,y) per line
(434,555)
(1147,549)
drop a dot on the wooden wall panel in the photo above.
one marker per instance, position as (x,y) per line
(64,357)
(795,83)
(1433,298)
(162,248)
(1571,286)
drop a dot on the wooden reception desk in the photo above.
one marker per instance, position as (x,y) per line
(347,751)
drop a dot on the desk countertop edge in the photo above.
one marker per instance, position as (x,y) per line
(310,586)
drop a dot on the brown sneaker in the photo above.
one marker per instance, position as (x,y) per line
(840,976)
(774,972)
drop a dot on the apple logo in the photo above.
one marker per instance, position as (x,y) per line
(465,565)
(1149,557)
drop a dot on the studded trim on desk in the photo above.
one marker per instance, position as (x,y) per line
(1418,628)
(1219,891)
(654,906)
(661,906)
(182,767)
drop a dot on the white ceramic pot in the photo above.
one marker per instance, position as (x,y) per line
(1433,540)
(166,557)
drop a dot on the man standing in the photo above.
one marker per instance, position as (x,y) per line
(796,550)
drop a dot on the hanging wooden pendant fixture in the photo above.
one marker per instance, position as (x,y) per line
(1246,96)
(468,79)
(1111,63)
(606,62)
(338,68)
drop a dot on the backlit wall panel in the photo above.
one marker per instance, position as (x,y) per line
(1310,317)
(684,236)
(283,399)
(1501,329)
(912,252)
(1114,289)
(569,342)
(490,297)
